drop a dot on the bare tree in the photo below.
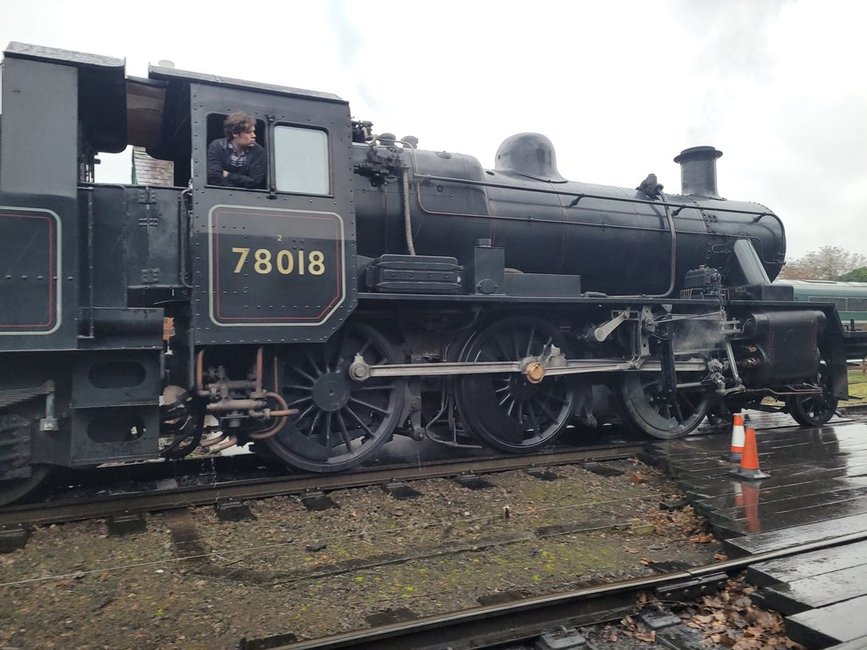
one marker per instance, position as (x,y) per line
(827,263)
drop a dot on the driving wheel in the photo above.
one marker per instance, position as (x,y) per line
(341,422)
(658,413)
(506,410)
(815,410)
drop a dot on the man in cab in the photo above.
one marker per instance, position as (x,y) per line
(237,160)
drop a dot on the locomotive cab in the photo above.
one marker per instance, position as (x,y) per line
(269,264)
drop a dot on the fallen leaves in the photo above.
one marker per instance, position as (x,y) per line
(639,633)
(731,620)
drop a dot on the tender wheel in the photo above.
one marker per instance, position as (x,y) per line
(645,407)
(815,410)
(12,490)
(15,432)
(341,422)
(506,411)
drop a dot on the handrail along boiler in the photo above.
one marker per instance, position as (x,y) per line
(371,288)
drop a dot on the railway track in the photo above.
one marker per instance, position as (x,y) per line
(241,489)
(527,619)
(300,559)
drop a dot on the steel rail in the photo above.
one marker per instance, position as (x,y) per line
(200,495)
(511,622)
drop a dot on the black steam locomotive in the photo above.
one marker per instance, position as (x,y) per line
(371,288)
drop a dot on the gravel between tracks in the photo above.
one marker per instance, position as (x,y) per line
(193,581)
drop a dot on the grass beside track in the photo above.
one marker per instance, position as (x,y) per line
(857,387)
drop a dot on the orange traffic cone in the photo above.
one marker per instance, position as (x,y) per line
(749,467)
(737,446)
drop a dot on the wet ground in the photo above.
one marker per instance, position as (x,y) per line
(812,491)
(194,581)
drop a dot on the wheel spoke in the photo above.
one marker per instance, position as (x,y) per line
(306,412)
(312,362)
(686,399)
(299,401)
(533,419)
(558,398)
(678,414)
(368,405)
(344,432)
(315,422)
(298,371)
(530,341)
(328,428)
(544,408)
(493,351)
(306,389)
(367,343)
(516,349)
(358,420)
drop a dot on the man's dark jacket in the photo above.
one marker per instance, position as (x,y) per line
(251,174)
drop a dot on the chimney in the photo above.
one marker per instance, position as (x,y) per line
(698,171)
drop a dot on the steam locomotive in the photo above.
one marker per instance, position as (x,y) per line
(370,289)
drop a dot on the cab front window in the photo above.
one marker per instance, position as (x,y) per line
(301,160)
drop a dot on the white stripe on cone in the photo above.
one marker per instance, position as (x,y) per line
(738,435)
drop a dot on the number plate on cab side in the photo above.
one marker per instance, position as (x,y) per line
(274,267)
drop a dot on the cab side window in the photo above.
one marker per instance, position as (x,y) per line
(301,160)
(215,132)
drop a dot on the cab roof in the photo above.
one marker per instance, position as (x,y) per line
(116,110)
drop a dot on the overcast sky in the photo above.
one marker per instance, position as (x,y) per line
(620,87)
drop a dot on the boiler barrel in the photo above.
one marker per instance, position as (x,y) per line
(618,240)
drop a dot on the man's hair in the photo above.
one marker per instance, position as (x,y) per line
(238,123)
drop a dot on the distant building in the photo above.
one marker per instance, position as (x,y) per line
(150,171)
